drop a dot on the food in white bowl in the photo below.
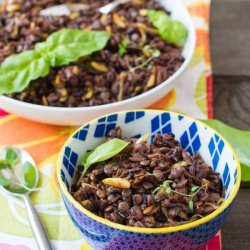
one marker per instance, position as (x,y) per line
(48,96)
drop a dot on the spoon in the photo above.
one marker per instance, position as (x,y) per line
(66,9)
(34,220)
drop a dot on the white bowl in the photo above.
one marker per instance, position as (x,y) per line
(77,116)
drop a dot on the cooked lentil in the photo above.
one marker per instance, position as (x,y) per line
(146,167)
(101,78)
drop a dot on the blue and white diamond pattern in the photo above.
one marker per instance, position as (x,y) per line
(132,116)
(226,176)
(190,139)
(161,124)
(104,125)
(137,135)
(82,134)
(70,160)
(180,117)
(215,147)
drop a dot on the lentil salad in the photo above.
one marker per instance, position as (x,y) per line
(104,77)
(149,185)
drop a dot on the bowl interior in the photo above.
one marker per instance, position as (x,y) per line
(193,135)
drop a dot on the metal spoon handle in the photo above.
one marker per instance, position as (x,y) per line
(36,225)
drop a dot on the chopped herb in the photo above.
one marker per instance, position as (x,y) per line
(167,182)
(194,190)
(191,205)
(169,190)
(153,54)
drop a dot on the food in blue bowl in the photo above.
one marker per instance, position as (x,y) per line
(147,179)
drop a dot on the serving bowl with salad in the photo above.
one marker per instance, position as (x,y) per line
(147,179)
(87,64)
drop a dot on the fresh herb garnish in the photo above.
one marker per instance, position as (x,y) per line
(164,185)
(14,182)
(170,30)
(123,47)
(103,152)
(4,182)
(29,174)
(191,205)
(4,164)
(169,190)
(153,54)
(194,190)
(240,140)
(60,48)
(12,157)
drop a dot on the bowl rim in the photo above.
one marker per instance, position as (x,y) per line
(229,200)
(193,40)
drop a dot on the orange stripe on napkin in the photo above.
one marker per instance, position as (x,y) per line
(200,10)
(15,130)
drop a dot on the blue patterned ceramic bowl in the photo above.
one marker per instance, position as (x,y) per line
(193,135)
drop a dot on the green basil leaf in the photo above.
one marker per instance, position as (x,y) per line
(17,71)
(194,188)
(4,182)
(240,141)
(12,157)
(4,164)
(104,152)
(84,159)
(68,45)
(191,205)
(170,30)
(60,48)
(29,174)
